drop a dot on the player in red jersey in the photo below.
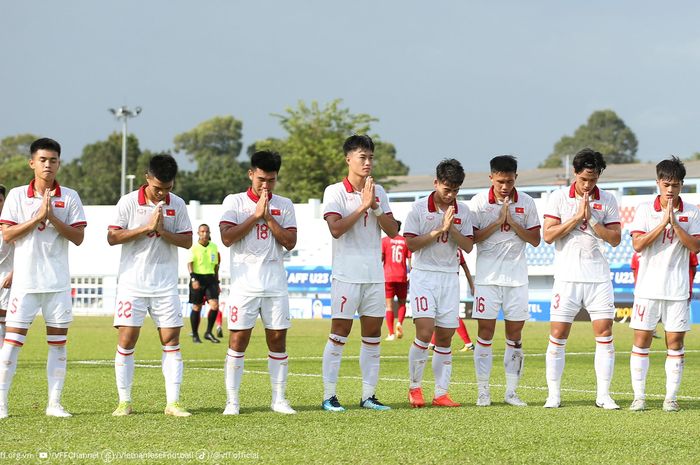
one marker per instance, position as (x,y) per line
(397,260)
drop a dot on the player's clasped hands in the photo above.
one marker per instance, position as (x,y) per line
(368,196)
(156,224)
(448,219)
(504,217)
(584,210)
(262,208)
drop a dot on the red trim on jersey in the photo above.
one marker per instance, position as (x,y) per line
(278,358)
(637,232)
(31,192)
(406,234)
(291,228)
(79,223)
(142,196)
(114,227)
(13,342)
(534,227)
(432,208)
(227,222)
(9,222)
(326,215)
(552,217)
(572,191)
(185,232)
(348,187)
(492,196)
(254,197)
(657,204)
(612,222)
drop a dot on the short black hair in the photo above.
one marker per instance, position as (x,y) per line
(266,160)
(45,144)
(449,171)
(589,159)
(358,141)
(163,167)
(3,190)
(204,224)
(671,169)
(398,224)
(504,164)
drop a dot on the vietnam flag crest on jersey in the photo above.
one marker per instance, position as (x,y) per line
(170,212)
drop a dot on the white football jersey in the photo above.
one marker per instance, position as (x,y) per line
(148,265)
(357,254)
(580,256)
(500,258)
(257,260)
(6,256)
(442,254)
(44,252)
(663,265)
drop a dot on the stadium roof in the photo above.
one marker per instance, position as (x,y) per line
(544,177)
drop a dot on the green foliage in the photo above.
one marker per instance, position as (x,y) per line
(577,433)
(14,156)
(312,155)
(605,132)
(694,157)
(96,174)
(215,146)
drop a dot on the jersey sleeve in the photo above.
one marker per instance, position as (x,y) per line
(639,223)
(10,212)
(473,205)
(552,209)
(183,225)
(694,227)
(121,221)
(612,213)
(331,204)
(412,226)
(532,218)
(466,228)
(76,214)
(383,200)
(229,215)
(289,221)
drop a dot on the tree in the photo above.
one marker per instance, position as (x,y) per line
(312,155)
(96,174)
(14,157)
(215,146)
(605,132)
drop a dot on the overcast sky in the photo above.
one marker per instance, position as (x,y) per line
(445,78)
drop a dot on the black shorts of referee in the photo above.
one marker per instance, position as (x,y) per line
(208,289)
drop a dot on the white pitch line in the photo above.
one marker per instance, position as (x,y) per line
(393,380)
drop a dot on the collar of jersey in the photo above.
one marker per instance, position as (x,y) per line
(31,192)
(492,195)
(432,208)
(572,191)
(142,196)
(657,204)
(255,198)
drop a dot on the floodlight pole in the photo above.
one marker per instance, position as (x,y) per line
(123,113)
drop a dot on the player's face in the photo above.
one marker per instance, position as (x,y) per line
(204,234)
(503,184)
(262,180)
(360,162)
(445,193)
(669,188)
(157,190)
(45,164)
(586,181)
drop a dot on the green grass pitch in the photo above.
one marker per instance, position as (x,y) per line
(576,433)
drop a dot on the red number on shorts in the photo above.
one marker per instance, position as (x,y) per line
(480,304)
(443,237)
(669,234)
(13,309)
(640,310)
(262,231)
(343,299)
(505,227)
(124,309)
(557,298)
(233,314)
(421,304)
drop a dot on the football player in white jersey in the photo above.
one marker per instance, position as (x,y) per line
(505,221)
(6,255)
(664,233)
(580,220)
(41,219)
(355,210)
(436,227)
(151,224)
(258,226)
